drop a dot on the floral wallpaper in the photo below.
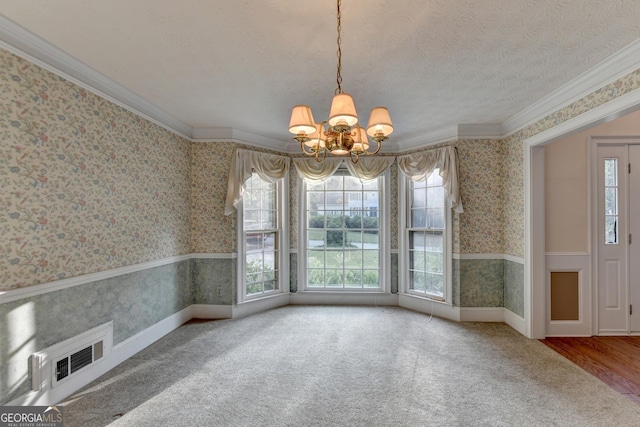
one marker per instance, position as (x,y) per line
(211,230)
(479,228)
(514,155)
(85,185)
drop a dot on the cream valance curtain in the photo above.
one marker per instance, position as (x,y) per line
(419,165)
(315,172)
(367,169)
(269,167)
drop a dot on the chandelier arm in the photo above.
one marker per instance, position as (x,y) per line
(312,152)
(377,149)
(324,155)
(354,157)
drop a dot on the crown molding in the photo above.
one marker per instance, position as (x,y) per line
(611,69)
(430,138)
(608,111)
(27,45)
(480,131)
(201,135)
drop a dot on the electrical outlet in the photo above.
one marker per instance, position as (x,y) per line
(219,291)
(474,294)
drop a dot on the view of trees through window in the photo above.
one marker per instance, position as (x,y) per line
(426,236)
(260,216)
(343,233)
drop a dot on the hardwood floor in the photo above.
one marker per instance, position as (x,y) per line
(614,360)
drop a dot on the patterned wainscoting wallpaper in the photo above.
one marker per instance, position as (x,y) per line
(85,185)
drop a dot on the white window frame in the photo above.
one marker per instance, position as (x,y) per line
(283,244)
(403,246)
(385,243)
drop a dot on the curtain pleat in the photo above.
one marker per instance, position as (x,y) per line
(419,165)
(269,167)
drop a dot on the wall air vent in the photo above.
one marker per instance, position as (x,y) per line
(69,365)
(62,361)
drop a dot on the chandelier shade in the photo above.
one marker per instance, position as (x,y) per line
(340,135)
(343,111)
(379,122)
(302,120)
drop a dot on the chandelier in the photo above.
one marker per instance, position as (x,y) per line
(340,135)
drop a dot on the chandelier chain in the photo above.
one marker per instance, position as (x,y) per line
(339,53)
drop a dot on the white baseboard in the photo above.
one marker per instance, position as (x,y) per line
(333,298)
(210,311)
(121,352)
(515,321)
(256,306)
(482,314)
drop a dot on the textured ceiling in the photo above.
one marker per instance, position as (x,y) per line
(243,64)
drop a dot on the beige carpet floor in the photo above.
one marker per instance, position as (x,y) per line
(347,366)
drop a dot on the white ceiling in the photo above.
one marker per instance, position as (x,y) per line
(243,64)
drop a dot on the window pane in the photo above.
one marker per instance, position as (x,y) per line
(373,185)
(417,259)
(434,284)
(352,183)
(253,242)
(334,182)
(418,218)
(334,278)
(371,278)
(315,259)
(371,258)
(434,179)
(435,218)
(251,219)
(335,220)
(315,278)
(268,220)
(419,198)
(611,229)
(371,222)
(418,281)
(270,241)
(335,239)
(334,258)
(435,196)
(269,199)
(353,258)
(254,278)
(353,278)
(611,172)
(316,239)
(354,220)
(315,219)
(610,201)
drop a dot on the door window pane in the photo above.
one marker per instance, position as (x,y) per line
(611,201)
